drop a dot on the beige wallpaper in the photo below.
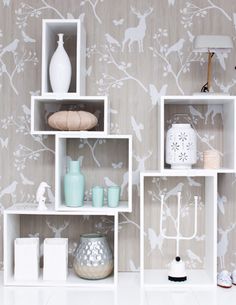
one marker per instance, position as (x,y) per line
(133,67)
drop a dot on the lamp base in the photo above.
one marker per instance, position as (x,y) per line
(177,272)
(211,93)
(177,279)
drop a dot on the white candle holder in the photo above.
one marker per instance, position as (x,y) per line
(177,271)
(55,261)
(26,259)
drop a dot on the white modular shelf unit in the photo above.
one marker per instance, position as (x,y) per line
(113,167)
(212,117)
(42,107)
(75,46)
(13,222)
(158,278)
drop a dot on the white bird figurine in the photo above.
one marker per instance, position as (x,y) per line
(40,198)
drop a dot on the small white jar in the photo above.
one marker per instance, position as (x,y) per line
(181,146)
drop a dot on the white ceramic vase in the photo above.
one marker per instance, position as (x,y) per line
(181,146)
(60,69)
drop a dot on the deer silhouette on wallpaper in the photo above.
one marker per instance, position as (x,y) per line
(222,246)
(213,110)
(57,231)
(141,167)
(136,33)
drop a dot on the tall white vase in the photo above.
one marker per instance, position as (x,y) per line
(181,146)
(60,69)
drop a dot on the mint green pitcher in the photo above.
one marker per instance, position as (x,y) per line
(74,185)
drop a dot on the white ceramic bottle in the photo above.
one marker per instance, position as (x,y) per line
(60,68)
(181,146)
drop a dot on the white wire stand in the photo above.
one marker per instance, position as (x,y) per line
(179,236)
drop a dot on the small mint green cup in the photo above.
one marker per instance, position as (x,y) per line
(98,196)
(113,196)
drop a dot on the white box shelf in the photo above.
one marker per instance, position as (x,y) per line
(42,107)
(212,117)
(156,253)
(106,160)
(24,220)
(75,46)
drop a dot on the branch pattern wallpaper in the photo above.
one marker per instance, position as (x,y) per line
(137,51)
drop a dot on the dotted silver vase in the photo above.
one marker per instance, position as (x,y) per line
(93,257)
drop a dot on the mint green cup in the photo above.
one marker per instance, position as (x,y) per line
(113,196)
(98,196)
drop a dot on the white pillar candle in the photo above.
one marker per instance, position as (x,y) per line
(55,260)
(26,259)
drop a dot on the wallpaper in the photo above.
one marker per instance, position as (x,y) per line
(137,51)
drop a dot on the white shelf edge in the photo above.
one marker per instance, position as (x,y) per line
(197,97)
(68,96)
(179,173)
(72,281)
(31,209)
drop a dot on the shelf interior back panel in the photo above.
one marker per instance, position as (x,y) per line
(158,253)
(208,123)
(45,226)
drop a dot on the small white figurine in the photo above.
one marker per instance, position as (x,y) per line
(40,198)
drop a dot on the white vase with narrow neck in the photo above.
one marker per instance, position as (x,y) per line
(60,69)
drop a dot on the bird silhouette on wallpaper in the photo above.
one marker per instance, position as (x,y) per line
(174,191)
(26,110)
(26,38)
(223,243)
(40,198)
(192,182)
(195,113)
(108,182)
(176,47)
(25,181)
(193,257)
(221,200)
(9,190)
(11,47)
(190,36)
(213,110)
(112,41)
(136,34)
(124,183)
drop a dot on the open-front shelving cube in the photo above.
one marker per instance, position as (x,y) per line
(26,221)
(199,254)
(226,247)
(75,46)
(43,107)
(212,118)
(105,161)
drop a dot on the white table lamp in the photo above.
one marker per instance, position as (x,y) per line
(211,44)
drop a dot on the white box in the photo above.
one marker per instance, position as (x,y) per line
(26,259)
(55,260)
(75,46)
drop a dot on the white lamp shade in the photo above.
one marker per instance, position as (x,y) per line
(212,43)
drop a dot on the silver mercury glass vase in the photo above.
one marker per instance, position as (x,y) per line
(93,257)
